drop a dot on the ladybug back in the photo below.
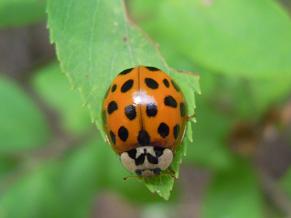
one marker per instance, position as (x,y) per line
(143,107)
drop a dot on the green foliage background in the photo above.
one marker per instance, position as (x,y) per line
(241,50)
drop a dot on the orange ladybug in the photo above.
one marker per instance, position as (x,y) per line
(144,119)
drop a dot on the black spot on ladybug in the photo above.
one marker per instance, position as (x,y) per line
(151,83)
(112,106)
(163,130)
(130,112)
(152,159)
(176,131)
(143,138)
(158,151)
(127,85)
(152,68)
(175,86)
(125,71)
(113,88)
(123,133)
(140,159)
(166,83)
(112,136)
(151,110)
(182,109)
(170,101)
(157,171)
(132,153)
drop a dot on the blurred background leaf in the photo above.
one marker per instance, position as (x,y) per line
(209,148)
(53,87)
(21,12)
(234,193)
(226,37)
(7,165)
(286,181)
(20,120)
(34,194)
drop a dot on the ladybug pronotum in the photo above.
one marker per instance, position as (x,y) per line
(144,119)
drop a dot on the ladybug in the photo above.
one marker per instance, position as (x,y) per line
(144,113)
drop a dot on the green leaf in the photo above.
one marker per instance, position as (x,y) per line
(53,87)
(21,12)
(234,194)
(81,178)
(33,195)
(7,164)
(22,124)
(92,50)
(247,38)
(210,132)
(247,99)
(266,92)
(286,181)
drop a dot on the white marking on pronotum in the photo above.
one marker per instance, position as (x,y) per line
(146,168)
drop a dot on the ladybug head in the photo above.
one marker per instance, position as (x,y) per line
(147,160)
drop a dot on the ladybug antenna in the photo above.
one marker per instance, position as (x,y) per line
(130,177)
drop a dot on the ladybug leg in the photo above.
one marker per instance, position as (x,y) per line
(190,117)
(172,173)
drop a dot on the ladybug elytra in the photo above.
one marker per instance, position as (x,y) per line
(144,119)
